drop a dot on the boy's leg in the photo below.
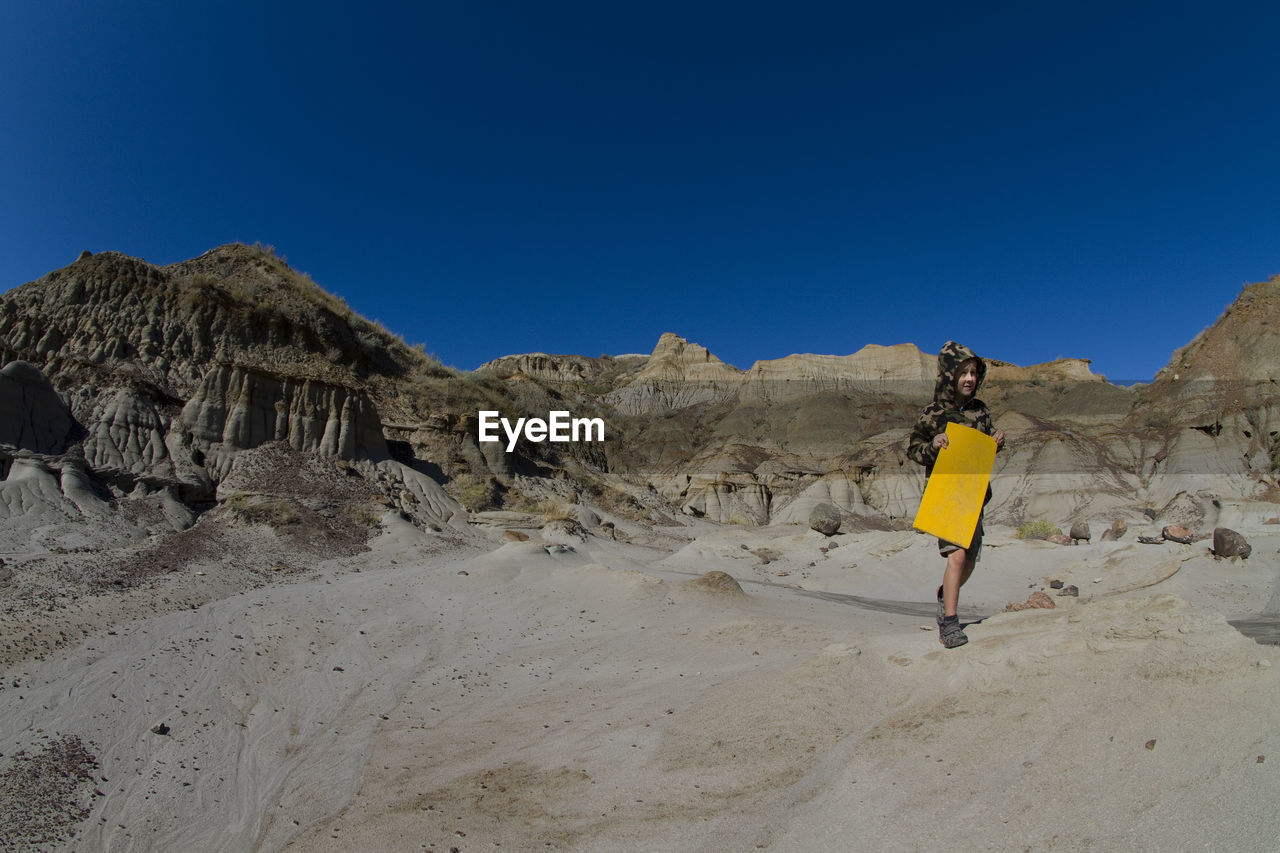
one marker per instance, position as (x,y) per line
(959,567)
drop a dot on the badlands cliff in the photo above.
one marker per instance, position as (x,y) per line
(148,383)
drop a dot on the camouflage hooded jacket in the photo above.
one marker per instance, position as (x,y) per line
(945,408)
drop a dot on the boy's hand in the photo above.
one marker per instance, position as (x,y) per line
(940,441)
(999,437)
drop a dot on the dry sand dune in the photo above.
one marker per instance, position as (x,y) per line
(607,696)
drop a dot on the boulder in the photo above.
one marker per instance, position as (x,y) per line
(1118,529)
(719,583)
(1059,539)
(825,519)
(1080,530)
(1177,533)
(586,517)
(1228,543)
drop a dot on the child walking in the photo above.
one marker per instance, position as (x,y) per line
(960,374)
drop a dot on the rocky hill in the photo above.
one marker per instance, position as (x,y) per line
(140,396)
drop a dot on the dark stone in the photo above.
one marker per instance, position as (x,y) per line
(825,519)
(1228,543)
(1055,584)
(1080,530)
(1070,589)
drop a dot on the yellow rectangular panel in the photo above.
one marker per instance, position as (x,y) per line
(953,496)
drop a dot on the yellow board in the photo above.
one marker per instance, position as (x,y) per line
(953,497)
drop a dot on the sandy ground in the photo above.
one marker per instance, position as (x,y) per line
(597,695)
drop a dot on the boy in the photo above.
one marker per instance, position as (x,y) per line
(960,373)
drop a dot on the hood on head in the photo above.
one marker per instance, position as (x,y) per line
(950,358)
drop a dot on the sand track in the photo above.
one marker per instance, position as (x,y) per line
(594,698)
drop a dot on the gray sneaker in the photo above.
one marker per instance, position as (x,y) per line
(950,634)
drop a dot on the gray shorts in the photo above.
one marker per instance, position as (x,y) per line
(946,548)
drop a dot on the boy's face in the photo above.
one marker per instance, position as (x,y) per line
(967,380)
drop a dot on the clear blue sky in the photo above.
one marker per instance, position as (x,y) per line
(1037,180)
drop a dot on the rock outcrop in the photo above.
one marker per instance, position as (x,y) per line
(598,373)
(901,370)
(132,380)
(33,416)
(241,408)
(122,378)
(677,374)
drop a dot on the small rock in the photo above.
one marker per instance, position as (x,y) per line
(1036,601)
(1151,744)
(1070,589)
(1177,533)
(160,729)
(1040,600)
(825,519)
(718,582)
(1059,539)
(1055,584)
(1080,530)
(1118,529)
(1228,543)
(338,669)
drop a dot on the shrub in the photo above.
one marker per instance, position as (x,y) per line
(475,494)
(1040,528)
(257,510)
